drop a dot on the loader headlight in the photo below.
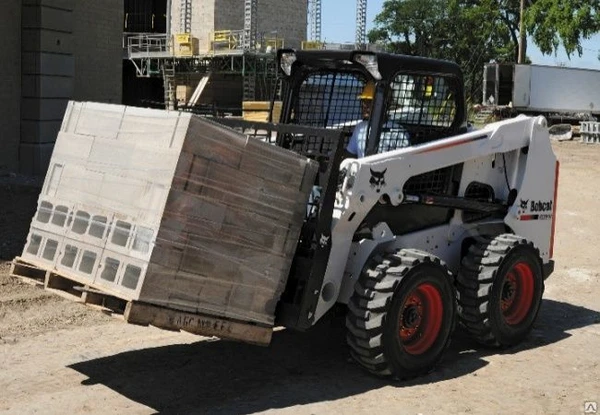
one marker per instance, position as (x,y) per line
(286,60)
(369,61)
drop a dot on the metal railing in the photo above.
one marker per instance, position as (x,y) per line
(312,45)
(273,43)
(226,41)
(147,45)
(318,45)
(158,45)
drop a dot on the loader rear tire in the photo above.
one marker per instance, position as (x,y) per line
(401,315)
(499,289)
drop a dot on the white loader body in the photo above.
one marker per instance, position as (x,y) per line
(516,151)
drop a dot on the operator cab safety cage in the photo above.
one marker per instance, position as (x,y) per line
(419,96)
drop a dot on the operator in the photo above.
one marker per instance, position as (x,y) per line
(357,144)
(393,134)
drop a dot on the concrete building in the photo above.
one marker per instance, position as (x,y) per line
(54,50)
(57,50)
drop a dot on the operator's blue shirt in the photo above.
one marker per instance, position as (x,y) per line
(393,136)
(357,143)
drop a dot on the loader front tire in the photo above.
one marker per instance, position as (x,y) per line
(499,289)
(401,315)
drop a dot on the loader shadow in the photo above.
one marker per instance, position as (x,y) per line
(219,377)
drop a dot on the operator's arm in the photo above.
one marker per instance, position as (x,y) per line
(352,147)
(356,145)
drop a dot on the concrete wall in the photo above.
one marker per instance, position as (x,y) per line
(287,17)
(10,92)
(203,21)
(229,14)
(98,31)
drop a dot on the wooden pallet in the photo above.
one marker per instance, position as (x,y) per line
(27,273)
(168,319)
(66,287)
(139,313)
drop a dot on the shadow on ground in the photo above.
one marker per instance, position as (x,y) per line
(220,377)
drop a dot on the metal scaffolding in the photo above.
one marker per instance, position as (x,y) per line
(250,34)
(185,16)
(235,52)
(250,17)
(314,16)
(361,23)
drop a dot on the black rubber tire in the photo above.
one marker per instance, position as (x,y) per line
(484,280)
(383,292)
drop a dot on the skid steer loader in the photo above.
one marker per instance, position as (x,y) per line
(437,224)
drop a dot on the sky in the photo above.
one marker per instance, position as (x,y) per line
(338,26)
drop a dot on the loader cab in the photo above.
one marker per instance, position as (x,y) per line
(416,100)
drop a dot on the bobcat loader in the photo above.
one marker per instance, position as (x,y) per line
(177,221)
(437,224)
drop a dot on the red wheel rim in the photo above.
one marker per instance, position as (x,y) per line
(517,293)
(420,319)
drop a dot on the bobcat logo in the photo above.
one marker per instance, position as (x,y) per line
(524,203)
(324,240)
(377,179)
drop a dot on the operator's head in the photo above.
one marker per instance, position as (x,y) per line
(366,99)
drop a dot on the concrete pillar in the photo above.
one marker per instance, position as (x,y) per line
(70,49)
(203,21)
(47,48)
(10,92)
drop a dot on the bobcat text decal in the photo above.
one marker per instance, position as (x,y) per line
(541,206)
(377,179)
(538,210)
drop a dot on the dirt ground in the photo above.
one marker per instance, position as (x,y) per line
(57,357)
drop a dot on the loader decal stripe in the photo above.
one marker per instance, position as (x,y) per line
(529,217)
(535,217)
(454,144)
(556,173)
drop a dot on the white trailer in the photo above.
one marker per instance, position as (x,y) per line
(557,92)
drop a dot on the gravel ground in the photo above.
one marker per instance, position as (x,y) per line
(59,357)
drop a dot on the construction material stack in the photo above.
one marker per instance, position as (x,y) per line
(590,132)
(190,225)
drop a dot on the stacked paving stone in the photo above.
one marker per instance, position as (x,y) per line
(590,132)
(170,209)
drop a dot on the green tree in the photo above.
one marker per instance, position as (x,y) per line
(562,23)
(465,31)
(472,32)
(410,26)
